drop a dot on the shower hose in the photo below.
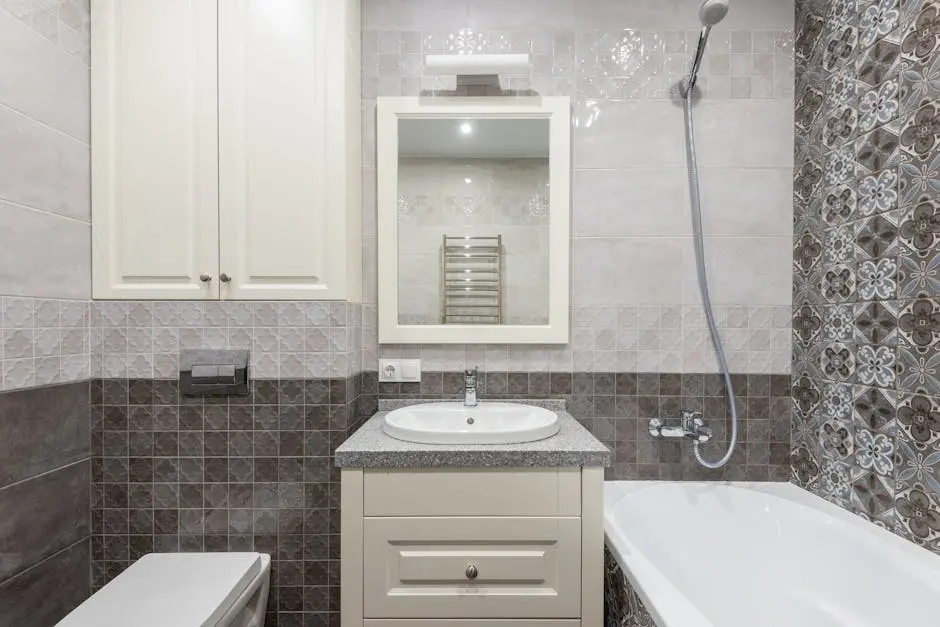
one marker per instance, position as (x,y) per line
(703,286)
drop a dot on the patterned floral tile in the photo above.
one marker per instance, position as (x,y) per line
(876,323)
(878,63)
(874,409)
(838,283)
(840,47)
(918,470)
(837,400)
(839,245)
(918,275)
(878,193)
(841,203)
(837,323)
(920,131)
(837,361)
(804,465)
(877,150)
(873,496)
(918,178)
(807,324)
(920,41)
(877,105)
(877,236)
(876,365)
(876,279)
(878,20)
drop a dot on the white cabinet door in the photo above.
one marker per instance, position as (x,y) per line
(289,189)
(155,144)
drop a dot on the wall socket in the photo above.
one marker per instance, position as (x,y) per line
(400,370)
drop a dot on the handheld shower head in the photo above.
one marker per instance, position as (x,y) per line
(712,12)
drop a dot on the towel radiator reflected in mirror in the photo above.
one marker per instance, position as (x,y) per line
(472,280)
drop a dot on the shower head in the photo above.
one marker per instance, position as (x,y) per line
(712,12)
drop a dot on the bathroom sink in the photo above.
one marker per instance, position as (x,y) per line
(487,423)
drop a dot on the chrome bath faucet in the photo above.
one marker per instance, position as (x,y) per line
(470,387)
(691,427)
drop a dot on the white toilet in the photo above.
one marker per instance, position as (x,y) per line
(183,590)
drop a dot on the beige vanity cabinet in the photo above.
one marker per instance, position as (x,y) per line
(454,547)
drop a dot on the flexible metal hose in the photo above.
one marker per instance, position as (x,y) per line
(703,283)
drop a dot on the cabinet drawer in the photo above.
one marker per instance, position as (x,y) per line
(524,567)
(473,492)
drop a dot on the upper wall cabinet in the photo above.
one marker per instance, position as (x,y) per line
(226,149)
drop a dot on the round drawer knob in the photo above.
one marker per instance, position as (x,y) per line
(472,572)
(225,278)
(205,278)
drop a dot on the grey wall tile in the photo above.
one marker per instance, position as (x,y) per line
(44,594)
(43,255)
(42,429)
(43,515)
(45,82)
(43,168)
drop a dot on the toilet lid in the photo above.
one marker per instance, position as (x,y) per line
(161,589)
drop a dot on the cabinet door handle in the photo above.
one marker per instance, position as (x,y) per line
(205,278)
(225,278)
(472,572)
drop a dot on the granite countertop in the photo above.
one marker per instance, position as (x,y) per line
(573,445)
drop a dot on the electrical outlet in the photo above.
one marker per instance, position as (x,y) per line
(389,370)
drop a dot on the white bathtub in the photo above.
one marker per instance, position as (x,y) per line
(763,554)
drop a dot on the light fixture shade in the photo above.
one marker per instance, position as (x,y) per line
(476,64)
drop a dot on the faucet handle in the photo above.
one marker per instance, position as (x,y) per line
(471,374)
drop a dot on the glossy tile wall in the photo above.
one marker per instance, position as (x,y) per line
(238,473)
(632,247)
(866,415)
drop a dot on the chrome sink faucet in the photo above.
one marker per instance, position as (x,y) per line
(691,426)
(470,387)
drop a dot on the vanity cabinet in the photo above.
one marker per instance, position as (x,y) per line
(226,149)
(472,547)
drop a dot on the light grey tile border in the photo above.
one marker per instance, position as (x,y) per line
(43,342)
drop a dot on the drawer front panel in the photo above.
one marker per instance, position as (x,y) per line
(482,567)
(473,492)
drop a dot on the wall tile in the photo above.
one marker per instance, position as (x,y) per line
(43,255)
(42,429)
(45,593)
(43,168)
(874,266)
(45,514)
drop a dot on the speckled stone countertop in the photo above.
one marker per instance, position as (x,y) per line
(370,447)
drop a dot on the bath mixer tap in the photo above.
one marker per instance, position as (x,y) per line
(691,426)
(470,387)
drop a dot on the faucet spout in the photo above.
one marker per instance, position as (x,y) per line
(470,387)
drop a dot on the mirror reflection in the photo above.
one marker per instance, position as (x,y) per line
(473,221)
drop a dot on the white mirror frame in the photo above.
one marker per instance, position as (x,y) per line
(557,110)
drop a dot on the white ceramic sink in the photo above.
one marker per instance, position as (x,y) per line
(487,423)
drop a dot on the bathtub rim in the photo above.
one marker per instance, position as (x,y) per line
(669,606)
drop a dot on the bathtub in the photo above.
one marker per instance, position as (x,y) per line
(760,555)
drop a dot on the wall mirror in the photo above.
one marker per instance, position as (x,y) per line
(473,220)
